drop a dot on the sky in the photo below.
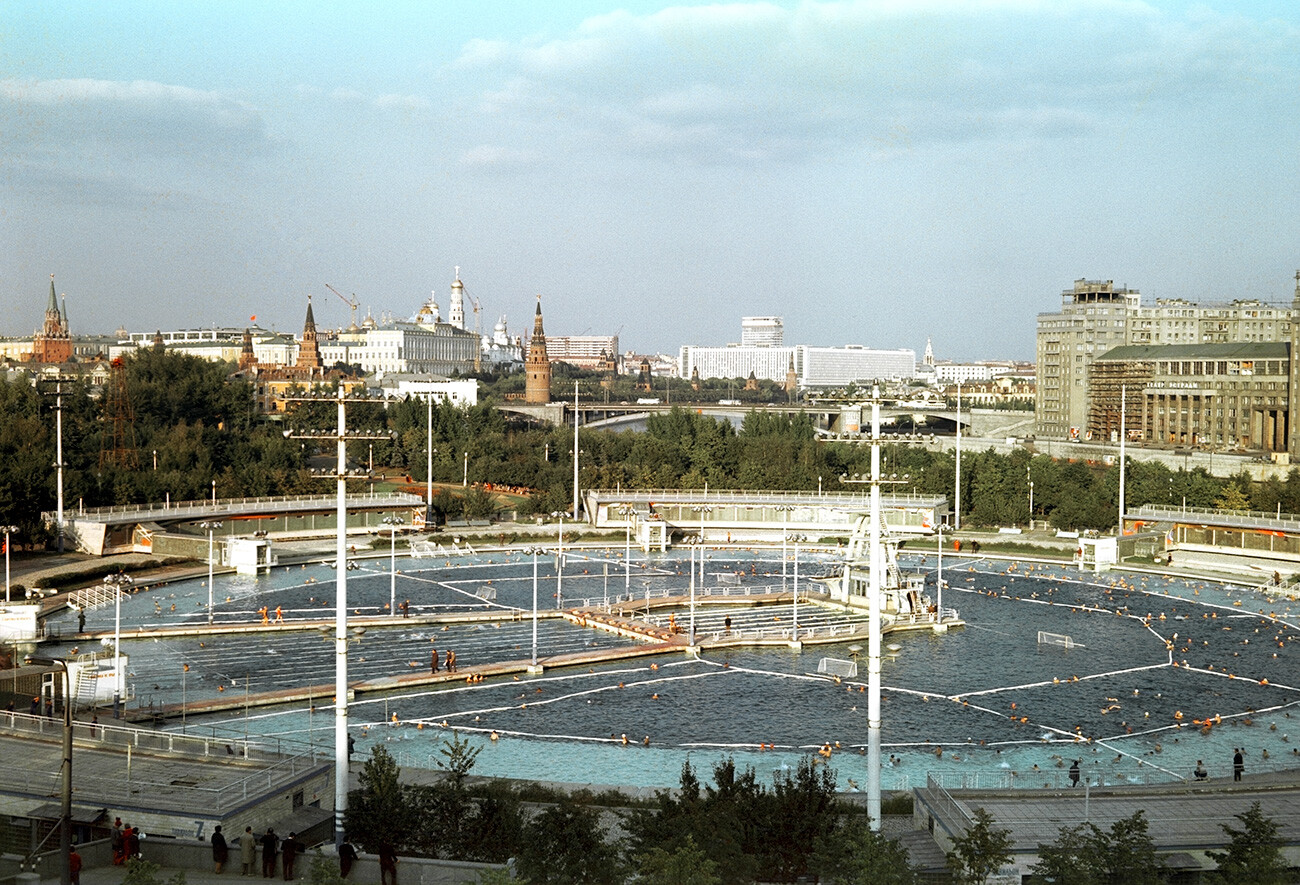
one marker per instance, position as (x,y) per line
(876,172)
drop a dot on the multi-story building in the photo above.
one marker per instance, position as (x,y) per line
(820,367)
(1175,321)
(762,331)
(736,361)
(1217,396)
(816,367)
(1096,317)
(1093,319)
(582,351)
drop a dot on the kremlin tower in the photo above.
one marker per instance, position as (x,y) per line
(309,351)
(53,343)
(538,364)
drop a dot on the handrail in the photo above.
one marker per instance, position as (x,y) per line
(223,505)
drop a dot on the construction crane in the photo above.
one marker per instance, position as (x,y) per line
(352,303)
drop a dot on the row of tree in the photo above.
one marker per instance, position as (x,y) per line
(184,425)
(1085,854)
(736,830)
(732,832)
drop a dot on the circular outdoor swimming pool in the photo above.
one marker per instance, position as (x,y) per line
(1162,672)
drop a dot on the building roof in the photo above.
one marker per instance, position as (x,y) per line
(1240,350)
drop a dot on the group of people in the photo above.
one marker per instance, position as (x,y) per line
(1238,766)
(449,662)
(273,847)
(125,842)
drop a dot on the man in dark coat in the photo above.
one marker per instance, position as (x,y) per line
(289,849)
(219,850)
(270,844)
(347,857)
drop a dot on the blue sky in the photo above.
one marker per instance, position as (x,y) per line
(875,172)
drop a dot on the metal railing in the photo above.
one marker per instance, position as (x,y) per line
(1259,518)
(224,505)
(270,769)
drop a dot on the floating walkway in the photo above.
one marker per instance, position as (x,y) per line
(622,619)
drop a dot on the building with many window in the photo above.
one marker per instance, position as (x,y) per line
(1096,317)
(820,367)
(1093,319)
(762,331)
(583,351)
(1216,396)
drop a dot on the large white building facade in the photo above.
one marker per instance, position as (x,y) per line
(820,367)
(404,348)
(816,367)
(736,361)
(762,331)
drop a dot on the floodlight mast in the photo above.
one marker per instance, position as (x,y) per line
(341,437)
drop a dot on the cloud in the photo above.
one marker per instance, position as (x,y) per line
(143,115)
(739,81)
(490,156)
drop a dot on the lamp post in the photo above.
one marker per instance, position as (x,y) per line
(185,672)
(559,564)
(874,615)
(956,520)
(341,436)
(65,812)
(464,477)
(576,451)
(938,590)
(8,530)
(795,539)
(1031,500)
(785,531)
(392,522)
(626,511)
(117,582)
(428,473)
(701,509)
(534,551)
(211,526)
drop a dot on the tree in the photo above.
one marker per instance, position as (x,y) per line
(460,758)
(1254,852)
(685,866)
(1087,855)
(803,812)
(980,852)
(567,845)
(1130,853)
(1077,857)
(855,854)
(379,813)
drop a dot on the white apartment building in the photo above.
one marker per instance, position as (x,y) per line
(837,366)
(762,331)
(961,373)
(404,348)
(815,366)
(735,361)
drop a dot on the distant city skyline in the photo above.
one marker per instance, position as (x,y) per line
(874,172)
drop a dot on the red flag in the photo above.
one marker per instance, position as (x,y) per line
(253,318)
